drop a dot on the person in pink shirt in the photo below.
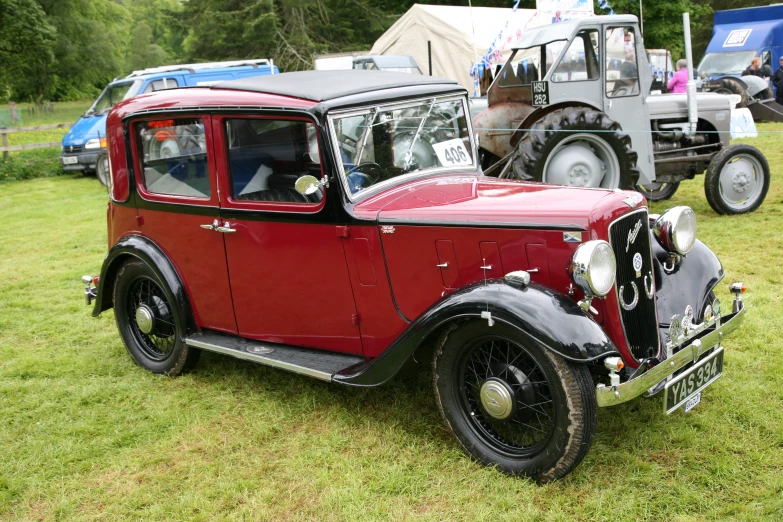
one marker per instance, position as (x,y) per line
(679,81)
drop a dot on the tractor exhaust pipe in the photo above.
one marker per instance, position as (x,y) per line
(693,110)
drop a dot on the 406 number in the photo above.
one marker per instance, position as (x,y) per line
(456,155)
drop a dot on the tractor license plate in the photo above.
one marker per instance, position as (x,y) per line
(70,160)
(540,94)
(686,388)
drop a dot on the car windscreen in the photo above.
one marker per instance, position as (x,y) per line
(380,144)
(733,62)
(115,93)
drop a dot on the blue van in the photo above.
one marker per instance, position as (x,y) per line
(84,146)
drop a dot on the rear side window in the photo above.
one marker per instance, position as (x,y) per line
(267,156)
(159,85)
(174,157)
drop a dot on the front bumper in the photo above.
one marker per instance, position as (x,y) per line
(85,160)
(691,351)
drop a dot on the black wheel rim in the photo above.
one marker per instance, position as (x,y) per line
(158,344)
(531,425)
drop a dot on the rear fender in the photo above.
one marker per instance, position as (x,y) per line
(547,318)
(138,247)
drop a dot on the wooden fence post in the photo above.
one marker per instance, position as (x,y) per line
(12,110)
(4,141)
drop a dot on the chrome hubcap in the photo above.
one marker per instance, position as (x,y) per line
(497,398)
(145,320)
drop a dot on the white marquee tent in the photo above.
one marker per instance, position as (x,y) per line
(451,31)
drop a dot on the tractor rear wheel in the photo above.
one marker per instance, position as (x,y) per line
(577,146)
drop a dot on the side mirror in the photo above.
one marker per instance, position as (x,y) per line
(307,185)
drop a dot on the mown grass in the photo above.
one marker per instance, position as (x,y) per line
(86,435)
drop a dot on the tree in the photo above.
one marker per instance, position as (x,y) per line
(26,46)
(663,21)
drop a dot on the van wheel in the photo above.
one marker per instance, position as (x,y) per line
(737,180)
(511,404)
(102,169)
(150,326)
(577,146)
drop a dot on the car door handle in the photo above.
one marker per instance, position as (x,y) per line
(226,228)
(213,226)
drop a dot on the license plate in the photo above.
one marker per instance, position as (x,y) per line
(686,388)
(70,160)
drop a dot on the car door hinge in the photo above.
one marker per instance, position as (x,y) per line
(355,319)
(342,230)
(140,220)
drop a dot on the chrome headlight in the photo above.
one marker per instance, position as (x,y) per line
(94,143)
(593,268)
(675,230)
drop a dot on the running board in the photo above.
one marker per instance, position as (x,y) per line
(319,364)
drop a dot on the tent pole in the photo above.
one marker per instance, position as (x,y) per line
(429,54)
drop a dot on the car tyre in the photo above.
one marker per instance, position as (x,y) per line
(150,325)
(548,403)
(573,146)
(737,180)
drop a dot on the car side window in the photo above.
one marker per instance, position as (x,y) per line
(267,156)
(622,71)
(159,85)
(174,157)
(580,62)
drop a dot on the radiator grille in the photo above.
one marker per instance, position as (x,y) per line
(628,236)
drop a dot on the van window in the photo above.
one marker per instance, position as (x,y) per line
(174,157)
(114,94)
(267,156)
(159,85)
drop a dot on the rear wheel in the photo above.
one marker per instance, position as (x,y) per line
(737,180)
(150,326)
(577,146)
(658,191)
(731,85)
(512,404)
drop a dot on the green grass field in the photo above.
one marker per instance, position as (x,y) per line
(87,435)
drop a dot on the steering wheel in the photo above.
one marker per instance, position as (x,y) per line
(359,180)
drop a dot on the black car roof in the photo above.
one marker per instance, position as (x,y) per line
(322,86)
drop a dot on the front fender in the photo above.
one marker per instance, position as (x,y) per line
(144,249)
(541,315)
(689,283)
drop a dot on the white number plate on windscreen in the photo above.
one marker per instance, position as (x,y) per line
(452,152)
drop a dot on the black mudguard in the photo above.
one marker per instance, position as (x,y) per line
(545,317)
(690,283)
(142,248)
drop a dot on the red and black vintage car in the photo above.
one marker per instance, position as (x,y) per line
(337,225)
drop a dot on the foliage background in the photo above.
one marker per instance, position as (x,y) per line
(69,49)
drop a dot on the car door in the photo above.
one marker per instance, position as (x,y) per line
(178,209)
(289,277)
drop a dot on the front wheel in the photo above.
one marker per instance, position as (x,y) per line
(658,191)
(737,180)
(148,321)
(102,169)
(512,404)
